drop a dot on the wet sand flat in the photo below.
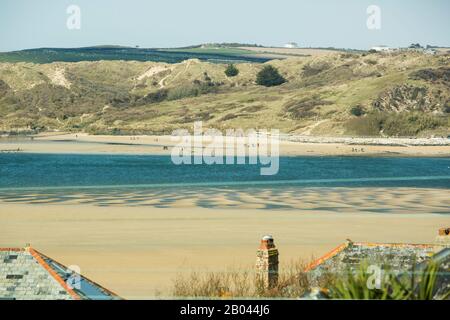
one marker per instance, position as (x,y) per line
(138,251)
(398,200)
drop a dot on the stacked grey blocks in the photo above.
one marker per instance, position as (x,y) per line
(23,278)
(398,259)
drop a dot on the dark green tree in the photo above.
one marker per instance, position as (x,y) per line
(231,71)
(269,77)
(357,111)
(446,108)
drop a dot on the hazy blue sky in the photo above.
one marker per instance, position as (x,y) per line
(172,23)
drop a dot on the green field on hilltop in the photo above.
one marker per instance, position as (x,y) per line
(214,50)
(48,55)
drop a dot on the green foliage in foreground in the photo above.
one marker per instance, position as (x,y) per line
(294,282)
(418,286)
(269,77)
(242,283)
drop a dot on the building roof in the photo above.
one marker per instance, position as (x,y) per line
(27,274)
(400,257)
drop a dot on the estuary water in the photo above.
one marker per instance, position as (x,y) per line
(21,171)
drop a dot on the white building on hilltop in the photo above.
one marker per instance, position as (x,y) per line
(382,49)
(291,45)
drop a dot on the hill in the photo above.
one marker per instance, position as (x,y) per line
(97,53)
(213,52)
(402,94)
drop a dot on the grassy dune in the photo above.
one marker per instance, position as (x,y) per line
(410,91)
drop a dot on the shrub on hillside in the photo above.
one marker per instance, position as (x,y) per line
(153,97)
(188,91)
(394,124)
(312,69)
(357,111)
(269,77)
(231,71)
(304,108)
(371,62)
(432,74)
(228,116)
(446,108)
(410,124)
(4,88)
(206,77)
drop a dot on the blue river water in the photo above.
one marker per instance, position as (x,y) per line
(20,171)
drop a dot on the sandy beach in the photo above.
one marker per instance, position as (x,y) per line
(295,146)
(137,241)
(138,250)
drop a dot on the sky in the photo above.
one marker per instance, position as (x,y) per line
(26,24)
